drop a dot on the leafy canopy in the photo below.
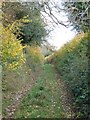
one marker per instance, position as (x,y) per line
(78,15)
(33,31)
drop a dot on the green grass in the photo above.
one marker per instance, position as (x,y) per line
(5,104)
(44,99)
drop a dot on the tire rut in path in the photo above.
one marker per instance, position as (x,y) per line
(66,97)
(16,101)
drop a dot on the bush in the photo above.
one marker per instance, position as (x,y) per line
(11,50)
(34,58)
(71,61)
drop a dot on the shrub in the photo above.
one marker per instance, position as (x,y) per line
(71,61)
(34,58)
(11,50)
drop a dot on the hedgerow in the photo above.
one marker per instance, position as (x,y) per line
(71,61)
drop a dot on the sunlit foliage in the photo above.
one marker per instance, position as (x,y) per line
(11,49)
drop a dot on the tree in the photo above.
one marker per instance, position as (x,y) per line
(52,10)
(78,15)
(32,32)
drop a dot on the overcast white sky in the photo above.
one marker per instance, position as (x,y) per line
(60,36)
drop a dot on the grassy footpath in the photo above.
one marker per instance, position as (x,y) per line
(44,100)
